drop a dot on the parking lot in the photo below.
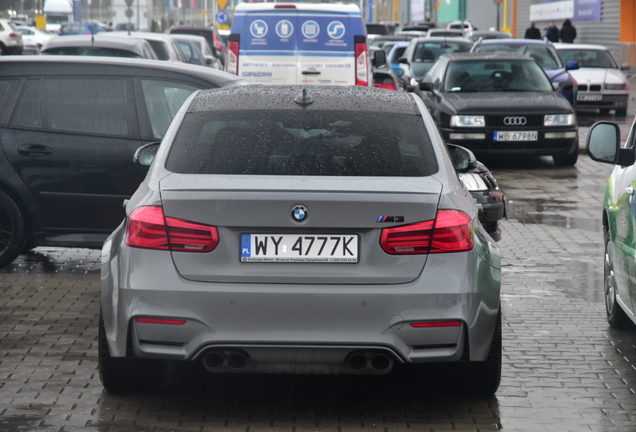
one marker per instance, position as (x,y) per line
(564,368)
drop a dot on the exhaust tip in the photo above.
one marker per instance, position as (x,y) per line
(380,362)
(213,360)
(358,362)
(236,360)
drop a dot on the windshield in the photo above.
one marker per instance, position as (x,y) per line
(545,55)
(429,51)
(91,51)
(591,58)
(495,76)
(302,143)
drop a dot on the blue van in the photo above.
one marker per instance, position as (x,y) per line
(298,43)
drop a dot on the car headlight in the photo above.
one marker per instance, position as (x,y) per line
(559,120)
(622,86)
(467,121)
(473,182)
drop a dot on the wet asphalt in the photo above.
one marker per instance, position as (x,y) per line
(564,368)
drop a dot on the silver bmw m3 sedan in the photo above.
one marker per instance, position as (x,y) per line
(291,229)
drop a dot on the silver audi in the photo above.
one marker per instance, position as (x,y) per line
(318,230)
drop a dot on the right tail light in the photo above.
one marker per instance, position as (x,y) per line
(450,231)
(231,62)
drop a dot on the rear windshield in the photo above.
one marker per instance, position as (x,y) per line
(591,58)
(91,51)
(302,143)
(160,49)
(545,55)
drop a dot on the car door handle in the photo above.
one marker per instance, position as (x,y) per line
(629,190)
(311,72)
(34,150)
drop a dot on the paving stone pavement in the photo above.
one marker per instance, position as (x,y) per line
(564,368)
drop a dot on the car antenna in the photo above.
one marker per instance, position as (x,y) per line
(304,98)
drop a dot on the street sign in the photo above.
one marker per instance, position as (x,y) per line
(129,13)
(129,3)
(221,17)
(222,3)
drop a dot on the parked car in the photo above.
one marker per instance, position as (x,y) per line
(421,53)
(10,38)
(500,103)
(99,45)
(618,218)
(378,29)
(418,27)
(202,48)
(383,75)
(544,53)
(381,40)
(210,33)
(69,137)
(165,46)
(394,54)
(192,52)
(449,33)
(601,82)
(79,28)
(33,39)
(377,260)
(489,34)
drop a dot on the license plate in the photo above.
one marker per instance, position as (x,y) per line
(517,136)
(589,97)
(313,248)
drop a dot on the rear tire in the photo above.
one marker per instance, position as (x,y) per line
(11,230)
(616,316)
(566,160)
(484,377)
(121,375)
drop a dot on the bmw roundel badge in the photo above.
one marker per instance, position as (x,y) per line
(299,213)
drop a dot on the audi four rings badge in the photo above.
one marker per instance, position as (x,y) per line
(515,121)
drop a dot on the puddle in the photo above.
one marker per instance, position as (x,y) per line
(552,213)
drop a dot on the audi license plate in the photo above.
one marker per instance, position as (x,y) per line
(314,248)
(589,97)
(517,136)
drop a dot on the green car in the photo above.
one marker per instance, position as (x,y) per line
(619,221)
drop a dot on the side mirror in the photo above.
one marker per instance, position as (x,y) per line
(379,58)
(403,60)
(566,85)
(398,72)
(604,145)
(146,154)
(426,86)
(572,65)
(462,158)
(625,66)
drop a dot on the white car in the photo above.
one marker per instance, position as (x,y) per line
(601,82)
(10,38)
(33,39)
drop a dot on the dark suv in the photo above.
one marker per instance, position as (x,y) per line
(69,128)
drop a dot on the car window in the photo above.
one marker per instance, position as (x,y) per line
(295,142)
(495,76)
(186,48)
(91,51)
(545,55)
(589,58)
(161,49)
(435,74)
(163,100)
(429,51)
(86,105)
(397,53)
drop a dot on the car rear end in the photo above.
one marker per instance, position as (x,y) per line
(10,39)
(327,235)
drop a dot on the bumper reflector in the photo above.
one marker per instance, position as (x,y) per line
(571,134)
(146,320)
(436,324)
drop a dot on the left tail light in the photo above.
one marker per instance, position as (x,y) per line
(362,74)
(450,231)
(148,228)
(232,58)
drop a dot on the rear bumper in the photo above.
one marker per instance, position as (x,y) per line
(319,325)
